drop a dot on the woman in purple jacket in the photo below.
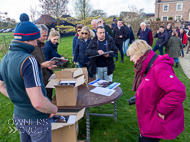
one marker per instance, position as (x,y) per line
(159,94)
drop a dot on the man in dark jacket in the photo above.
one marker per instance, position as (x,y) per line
(39,55)
(162,36)
(169,30)
(118,35)
(114,24)
(106,27)
(103,65)
(126,39)
(146,34)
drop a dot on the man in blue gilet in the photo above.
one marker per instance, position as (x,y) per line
(21,81)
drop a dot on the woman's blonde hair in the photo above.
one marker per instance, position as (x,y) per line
(88,30)
(53,33)
(138,48)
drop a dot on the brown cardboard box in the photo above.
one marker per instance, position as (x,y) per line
(82,71)
(67,132)
(66,95)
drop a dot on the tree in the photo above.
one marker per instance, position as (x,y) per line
(32,13)
(54,8)
(82,9)
(98,12)
(134,17)
(87,22)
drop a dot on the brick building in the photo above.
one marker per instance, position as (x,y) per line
(172,8)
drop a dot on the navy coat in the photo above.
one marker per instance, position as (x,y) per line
(80,48)
(162,38)
(50,50)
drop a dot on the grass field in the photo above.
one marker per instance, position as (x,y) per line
(103,129)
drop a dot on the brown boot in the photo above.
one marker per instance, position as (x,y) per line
(182,56)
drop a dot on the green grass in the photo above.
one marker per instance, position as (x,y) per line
(104,129)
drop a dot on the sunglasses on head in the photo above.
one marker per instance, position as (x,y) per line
(84,33)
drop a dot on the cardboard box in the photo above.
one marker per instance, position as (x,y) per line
(82,71)
(66,95)
(67,132)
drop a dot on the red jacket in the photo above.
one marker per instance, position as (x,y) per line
(184,38)
(160,92)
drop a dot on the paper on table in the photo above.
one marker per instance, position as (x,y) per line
(102,91)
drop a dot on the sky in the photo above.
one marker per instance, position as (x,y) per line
(111,7)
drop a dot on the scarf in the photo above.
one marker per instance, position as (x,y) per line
(138,66)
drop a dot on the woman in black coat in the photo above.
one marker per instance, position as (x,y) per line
(82,43)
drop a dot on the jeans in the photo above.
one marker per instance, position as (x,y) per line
(146,139)
(182,52)
(101,73)
(125,46)
(33,131)
(82,66)
(176,60)
(119,46)
(160,48)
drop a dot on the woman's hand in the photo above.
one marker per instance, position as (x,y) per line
(161,116)
(48,64)
(62,58)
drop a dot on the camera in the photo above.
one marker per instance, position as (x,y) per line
(132,100)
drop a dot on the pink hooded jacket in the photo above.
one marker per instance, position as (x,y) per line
(160,92)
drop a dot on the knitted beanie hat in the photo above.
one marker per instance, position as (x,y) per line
(26,30)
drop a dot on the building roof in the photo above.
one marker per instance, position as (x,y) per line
(168,1)
(45,19)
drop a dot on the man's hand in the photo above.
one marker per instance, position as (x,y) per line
(106,55)
(161,116)
(52,114)
(48,64)
(159,45)
(120,36)
(158,31)
(62,58)
(139,37)
(100,52)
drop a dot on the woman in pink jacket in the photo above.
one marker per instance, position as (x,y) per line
(159,94)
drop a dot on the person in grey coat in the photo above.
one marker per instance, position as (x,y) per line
(174,46)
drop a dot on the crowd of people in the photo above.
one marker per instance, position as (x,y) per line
(159,93)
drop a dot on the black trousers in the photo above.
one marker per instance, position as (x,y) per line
(146,139)
(120,49)
(49,90)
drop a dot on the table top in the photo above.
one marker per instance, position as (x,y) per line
(88,99)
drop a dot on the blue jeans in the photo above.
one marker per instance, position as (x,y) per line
(182,52)
(82,66)
(160,48)
(101,73)
(125,46)
(119,46)
(33,131)
(176,60)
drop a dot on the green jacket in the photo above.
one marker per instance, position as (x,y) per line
(109,30)
(10,69)
(174,46)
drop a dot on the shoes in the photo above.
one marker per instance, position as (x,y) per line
(115,60)
(182,56)
(176,65)
(121,61)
